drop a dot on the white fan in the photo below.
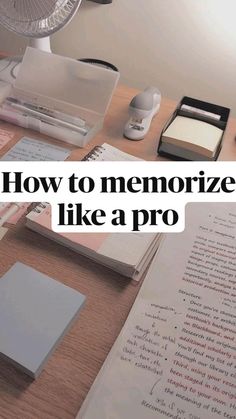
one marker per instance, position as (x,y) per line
(35,19)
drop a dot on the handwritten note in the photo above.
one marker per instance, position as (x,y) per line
(30,149)
(175,357)
(5,137)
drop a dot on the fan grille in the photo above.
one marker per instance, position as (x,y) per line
(35,18)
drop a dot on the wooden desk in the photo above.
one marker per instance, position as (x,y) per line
(63,385)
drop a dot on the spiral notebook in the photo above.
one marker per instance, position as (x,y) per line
(126,253)
(107,152)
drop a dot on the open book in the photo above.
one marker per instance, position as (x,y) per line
(175,356)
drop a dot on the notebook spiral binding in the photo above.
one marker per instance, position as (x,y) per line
(94,153)
(40,207)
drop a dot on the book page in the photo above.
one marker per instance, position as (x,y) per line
(175,356)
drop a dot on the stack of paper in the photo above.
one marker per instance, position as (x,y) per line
(126,253)
(191,139)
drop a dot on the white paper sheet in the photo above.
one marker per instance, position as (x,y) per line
(128,248)
(30,149)
(175,356)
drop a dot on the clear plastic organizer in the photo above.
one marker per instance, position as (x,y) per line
(60,97)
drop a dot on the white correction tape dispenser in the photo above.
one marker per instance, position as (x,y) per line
(142,109)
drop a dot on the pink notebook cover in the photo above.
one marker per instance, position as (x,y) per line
(92,241)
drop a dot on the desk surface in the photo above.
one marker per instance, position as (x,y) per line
(63,385)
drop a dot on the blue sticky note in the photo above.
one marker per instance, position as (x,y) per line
(35,313)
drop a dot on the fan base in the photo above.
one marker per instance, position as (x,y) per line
(41,43)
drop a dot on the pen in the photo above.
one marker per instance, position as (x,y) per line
(24,120)
(75,120)
(45,118)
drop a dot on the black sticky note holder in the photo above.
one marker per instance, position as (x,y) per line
(102,1)
(202,106)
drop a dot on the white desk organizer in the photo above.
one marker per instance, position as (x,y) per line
(60,97)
